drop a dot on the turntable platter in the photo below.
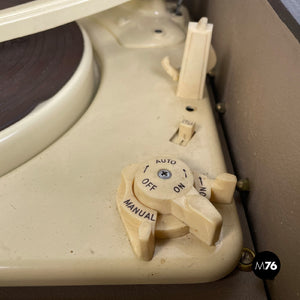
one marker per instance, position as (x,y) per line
(36,67)
(47,81)
(10,3)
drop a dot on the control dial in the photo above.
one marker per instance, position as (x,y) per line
(160,198)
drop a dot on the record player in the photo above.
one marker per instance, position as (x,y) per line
(111,170)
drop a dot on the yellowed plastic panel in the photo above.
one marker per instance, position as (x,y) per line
(59,224)
(39,15)
(145,23)
(168,226)
(138,219)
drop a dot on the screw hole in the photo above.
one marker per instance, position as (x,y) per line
(190,108)
(158,31)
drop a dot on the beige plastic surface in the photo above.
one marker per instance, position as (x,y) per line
(218,190)
(40,15)
(145,23)
(138,219)
(38,129)
(203,185)
(59,224)
(168,226)
(195,59)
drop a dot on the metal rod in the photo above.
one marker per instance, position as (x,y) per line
(178,5)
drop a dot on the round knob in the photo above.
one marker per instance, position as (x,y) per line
(158,181)
(165,184)
(158,199)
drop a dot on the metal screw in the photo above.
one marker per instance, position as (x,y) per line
(246,260)
(220,108)
(243,185)
(164,174)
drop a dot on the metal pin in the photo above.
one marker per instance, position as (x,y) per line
(220,108)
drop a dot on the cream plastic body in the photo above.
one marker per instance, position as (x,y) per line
(139,220)
(40,15)
(168,227)
(59,224)
(144,24)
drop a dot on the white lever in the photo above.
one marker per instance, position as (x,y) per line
(195,59)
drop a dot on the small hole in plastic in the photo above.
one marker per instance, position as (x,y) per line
(190,108)
(158,31)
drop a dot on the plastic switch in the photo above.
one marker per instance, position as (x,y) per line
(161,198)
(184,133)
